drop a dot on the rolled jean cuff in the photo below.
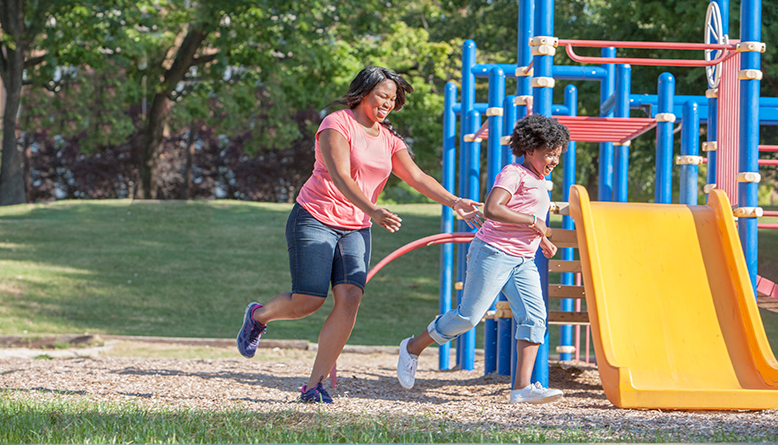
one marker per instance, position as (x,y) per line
(439,339)
(533,334)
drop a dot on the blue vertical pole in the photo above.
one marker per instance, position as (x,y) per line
(472,188)
(664,141)
(468,103)
(544,67)
(504,335)
(509,120)
(750,31)
(607,87)
(523,88)
(690,141)
(524,53)
(493,166)
(621,152)
(568,172)
(447,218)
(713,105)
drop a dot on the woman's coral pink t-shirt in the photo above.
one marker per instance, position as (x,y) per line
(529,195)
(371,165)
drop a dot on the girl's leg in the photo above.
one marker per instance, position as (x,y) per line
(525,296)
(419,343)
(336,330)
(525,361)
(488,271)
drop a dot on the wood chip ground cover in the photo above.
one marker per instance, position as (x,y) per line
(367,387)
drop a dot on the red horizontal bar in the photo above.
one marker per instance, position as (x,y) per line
(768,148)
(647,62)
(648,45)
(771,213)
(767,226)
(768,162)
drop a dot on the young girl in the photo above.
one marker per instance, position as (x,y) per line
(502,258)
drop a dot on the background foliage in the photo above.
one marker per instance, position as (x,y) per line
(241,117)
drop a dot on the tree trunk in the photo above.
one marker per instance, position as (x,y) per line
(11,176)
(26,165)
(152,147)
(160,108)
(189,162)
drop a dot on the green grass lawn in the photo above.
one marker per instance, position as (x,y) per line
(187,269)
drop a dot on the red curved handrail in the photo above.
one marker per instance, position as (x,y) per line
(645,45)
(647,62)
(440,238)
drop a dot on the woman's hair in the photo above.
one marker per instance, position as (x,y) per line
(538,132)
(369,78)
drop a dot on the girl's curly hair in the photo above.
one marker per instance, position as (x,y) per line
(538,132)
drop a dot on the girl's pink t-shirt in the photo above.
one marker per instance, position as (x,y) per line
(371,165)
(529,195)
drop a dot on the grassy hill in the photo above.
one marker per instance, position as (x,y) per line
(187,269)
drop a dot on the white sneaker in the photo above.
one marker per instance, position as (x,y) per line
(406,365)
(535,394)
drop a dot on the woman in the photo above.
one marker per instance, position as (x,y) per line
(328,231)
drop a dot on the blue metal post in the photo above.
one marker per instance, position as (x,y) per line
(523,53)
(447,218)
(504,334)
(467,105)
(472,188)
(750,31)
(664,141)
(568,172)
(621,109)
(544,67)
(523,88)
(607,86)
(690,141)
(713,105)
(493,167)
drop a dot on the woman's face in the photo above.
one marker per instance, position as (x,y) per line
(379,102)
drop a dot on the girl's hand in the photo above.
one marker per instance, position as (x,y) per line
(549,249)
(467,209)
(386,219)
(541,228)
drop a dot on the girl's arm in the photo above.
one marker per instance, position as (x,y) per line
(407,170)
(336,154)
(496,209)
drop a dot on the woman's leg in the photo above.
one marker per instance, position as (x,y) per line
(336,330)
(288,306)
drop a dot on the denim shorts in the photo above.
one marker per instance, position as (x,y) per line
(320,255)
(489,272)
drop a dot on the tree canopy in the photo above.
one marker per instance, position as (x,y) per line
(154,80)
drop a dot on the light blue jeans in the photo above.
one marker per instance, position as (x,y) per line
(489,271)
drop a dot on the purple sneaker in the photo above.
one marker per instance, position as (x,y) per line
(248,337)
(315,395)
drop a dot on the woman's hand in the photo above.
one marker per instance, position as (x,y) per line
(549,249)
(541,228)
(386,219)
(467,210)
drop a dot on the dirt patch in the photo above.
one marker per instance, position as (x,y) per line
(366,385)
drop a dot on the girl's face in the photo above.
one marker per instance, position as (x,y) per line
(542,162)
(379,102)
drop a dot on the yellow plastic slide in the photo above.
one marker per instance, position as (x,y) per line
(673,314)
